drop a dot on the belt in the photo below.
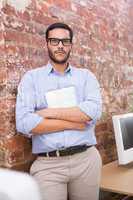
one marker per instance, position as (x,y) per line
(65,152)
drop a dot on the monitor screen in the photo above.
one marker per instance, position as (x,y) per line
(127,132)
(123,130)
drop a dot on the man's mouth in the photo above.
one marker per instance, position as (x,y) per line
(60,52)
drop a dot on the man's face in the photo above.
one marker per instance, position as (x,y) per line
(59,51)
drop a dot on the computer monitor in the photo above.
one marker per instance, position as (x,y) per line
(123,129)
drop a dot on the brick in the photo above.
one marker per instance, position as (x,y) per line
(65,4)
(2,50)
(25,15)
(33,5)
(17,37)
(7,9)
(101,127)
(14,23)
(15,157)
(2,90)
(3,75)
(43,7)
(82,11)
(1,38)
(2,157)
(29,27)
(17,141)
(39,29)
(10,156)
(11,49)
(37,41)
(4,128)
(19,24)
(38,17)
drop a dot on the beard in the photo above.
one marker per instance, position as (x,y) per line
(56,60)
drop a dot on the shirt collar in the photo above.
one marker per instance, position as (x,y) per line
(49,68)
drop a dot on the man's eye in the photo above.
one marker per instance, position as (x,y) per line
(54,40)
(66,41)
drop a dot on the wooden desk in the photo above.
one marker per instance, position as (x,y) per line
(118,179)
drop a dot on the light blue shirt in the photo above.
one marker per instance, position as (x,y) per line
(31,97)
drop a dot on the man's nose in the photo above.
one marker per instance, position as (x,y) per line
(60,44)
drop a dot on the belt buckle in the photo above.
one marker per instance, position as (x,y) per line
(57,153)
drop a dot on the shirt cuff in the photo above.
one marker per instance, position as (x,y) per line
(30,122)
(90,109)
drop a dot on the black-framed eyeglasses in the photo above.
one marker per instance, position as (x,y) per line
(56,41)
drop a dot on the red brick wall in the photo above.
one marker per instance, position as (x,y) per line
(103,43)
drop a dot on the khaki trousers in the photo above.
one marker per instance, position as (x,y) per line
(76,176)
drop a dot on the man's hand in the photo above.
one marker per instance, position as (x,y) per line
(80,126)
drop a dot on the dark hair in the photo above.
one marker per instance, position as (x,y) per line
(59,25)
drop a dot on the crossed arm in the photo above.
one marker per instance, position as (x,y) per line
(59,119)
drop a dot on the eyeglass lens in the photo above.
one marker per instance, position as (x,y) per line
(56,41)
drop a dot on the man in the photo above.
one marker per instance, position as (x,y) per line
(58,105)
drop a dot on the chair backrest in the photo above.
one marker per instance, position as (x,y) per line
(16,185)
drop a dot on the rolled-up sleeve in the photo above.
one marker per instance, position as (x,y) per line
(92,104)
(26,118)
